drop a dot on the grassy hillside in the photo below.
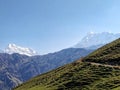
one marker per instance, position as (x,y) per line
(108,54)
(76,76)
(98,71)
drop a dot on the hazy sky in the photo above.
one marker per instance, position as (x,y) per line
(51,25)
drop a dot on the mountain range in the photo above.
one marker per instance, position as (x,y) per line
(100,70)
(90,41)
(16,68)
(19,64)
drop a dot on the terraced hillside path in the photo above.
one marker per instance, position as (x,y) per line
(99,64)
(106,65)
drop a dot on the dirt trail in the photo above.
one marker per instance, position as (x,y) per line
(106,65)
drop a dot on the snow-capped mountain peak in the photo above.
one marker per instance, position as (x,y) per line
(12,48)
(95,40)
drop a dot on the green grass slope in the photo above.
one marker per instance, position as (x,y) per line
(98,71)
(118,88)
(108,54)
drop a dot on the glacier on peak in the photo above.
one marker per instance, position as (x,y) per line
(12,48)
(95,40)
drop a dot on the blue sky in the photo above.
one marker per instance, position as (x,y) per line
(51,25)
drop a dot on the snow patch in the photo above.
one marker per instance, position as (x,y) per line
(12,48)
(97,39)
